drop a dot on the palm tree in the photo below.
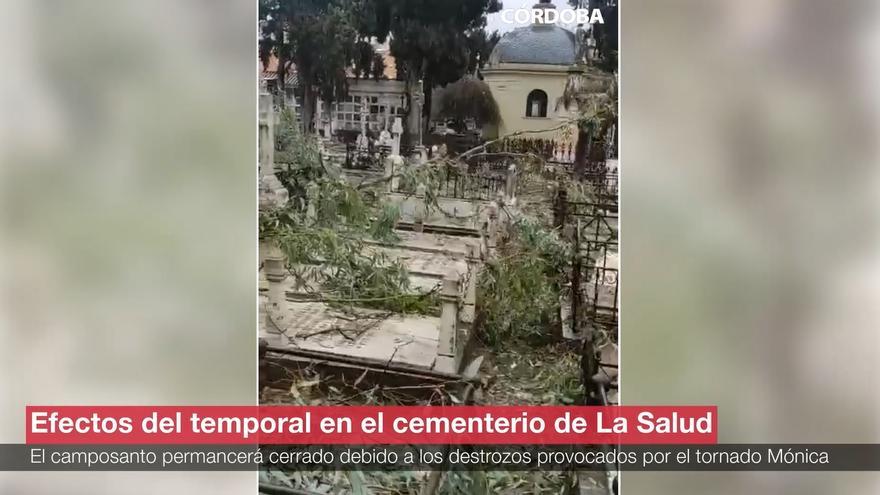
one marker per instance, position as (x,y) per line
(594,95)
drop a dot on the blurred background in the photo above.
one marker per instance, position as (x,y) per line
(128,238)
(751,273)
(751,266)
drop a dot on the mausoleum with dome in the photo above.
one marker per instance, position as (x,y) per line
(527,72)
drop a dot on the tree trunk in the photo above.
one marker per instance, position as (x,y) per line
(426,108)
(413,121)
(580,153)
(281,77)
(308,108)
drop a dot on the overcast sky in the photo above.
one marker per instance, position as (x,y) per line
(495,23)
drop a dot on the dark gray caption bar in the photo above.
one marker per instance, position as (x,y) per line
(729,457)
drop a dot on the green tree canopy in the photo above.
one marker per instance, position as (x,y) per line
(435,42)
(594,94)
(324,40)
(468,98)
(605,34)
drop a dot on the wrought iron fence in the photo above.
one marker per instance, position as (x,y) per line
(599,292)
(470,186)
(374,157)
(593,228)
(457,185)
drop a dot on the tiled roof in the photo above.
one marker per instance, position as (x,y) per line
(269,71)
(536,44)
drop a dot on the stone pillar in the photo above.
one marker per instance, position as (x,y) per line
(396,167)
(365,113)
(492,234)
(468,312)
(272,195)
(472,255)
(389,174)
(267,136)
(276,273)
(510,185)
(447,343)
(396,131)
(421,209)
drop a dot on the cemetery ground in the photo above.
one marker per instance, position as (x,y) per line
(436,281)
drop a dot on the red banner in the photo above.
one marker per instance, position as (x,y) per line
(356,425)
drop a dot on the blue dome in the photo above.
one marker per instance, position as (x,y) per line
(536,44)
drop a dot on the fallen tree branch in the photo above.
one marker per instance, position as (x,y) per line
(513,135)
(471,152)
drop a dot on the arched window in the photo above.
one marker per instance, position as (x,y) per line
(536,104)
